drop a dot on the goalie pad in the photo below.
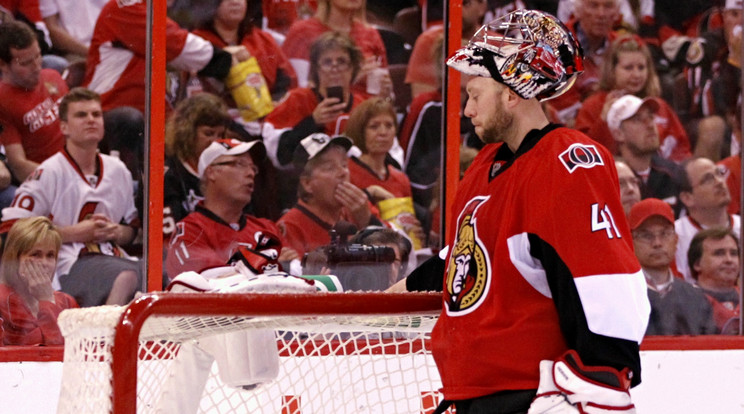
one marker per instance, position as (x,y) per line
(568,386)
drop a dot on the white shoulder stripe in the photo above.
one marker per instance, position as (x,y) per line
(109,70)
(530,268)
(615,305)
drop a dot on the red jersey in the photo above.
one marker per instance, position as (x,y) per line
(202,240)
(116,59)
(22,327)
(541,261)
(362,176)
(31,118)
(264,48)
(303,33)
(673,139)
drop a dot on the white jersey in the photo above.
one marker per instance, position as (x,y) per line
(58,189)
(686,229)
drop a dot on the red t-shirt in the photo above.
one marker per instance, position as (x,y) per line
(303,33)
(31,118)
(24,328)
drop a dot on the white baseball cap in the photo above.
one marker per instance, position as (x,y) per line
(314,144)
(626,106)
(733,4)
(222,147)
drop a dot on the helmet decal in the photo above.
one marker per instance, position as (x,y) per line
(529,51)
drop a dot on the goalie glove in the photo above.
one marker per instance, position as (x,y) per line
(568,384)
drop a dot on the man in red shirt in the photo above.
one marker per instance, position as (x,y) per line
(29,108)
(218,227)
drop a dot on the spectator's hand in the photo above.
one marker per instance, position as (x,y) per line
(355,201)
(104,229)
(328,110)
(38,277)
(288,254)
(239,53)
(5,176)
(386,86)
(370,63)
(377,193)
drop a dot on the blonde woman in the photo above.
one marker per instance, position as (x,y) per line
(29,305)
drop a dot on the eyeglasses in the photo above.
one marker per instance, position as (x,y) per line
(241,164)
(340,64)
(710,178)
(649,237)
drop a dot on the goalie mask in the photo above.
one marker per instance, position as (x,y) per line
(529,51)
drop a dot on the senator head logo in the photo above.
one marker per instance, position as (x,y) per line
(469,268)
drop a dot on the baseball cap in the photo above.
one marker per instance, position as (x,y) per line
(222,147)
(647,208)
(314,144)
(625,107)
(733,4)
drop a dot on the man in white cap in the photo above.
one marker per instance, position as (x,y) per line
(541,289)
(218,227)
(325,194)
(631,123)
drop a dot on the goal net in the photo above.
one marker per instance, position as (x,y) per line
(334,353)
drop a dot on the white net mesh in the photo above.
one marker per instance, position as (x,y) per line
(336,363)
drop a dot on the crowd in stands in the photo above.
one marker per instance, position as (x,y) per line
(289,120)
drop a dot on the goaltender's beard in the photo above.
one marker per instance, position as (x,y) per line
(499,126)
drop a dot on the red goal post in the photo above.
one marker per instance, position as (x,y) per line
(338,352)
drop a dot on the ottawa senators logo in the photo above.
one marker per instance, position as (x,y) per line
(580,156)
(467,279)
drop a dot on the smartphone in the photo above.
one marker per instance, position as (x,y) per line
(335,92)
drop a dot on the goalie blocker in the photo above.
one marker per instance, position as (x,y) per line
(568,386)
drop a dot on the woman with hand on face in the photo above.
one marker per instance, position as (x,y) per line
(628,69)
(231,26)
(29,305)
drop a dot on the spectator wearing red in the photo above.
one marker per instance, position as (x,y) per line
(28,110)
(343,16)
(231,26)
(326,196)
(29,305)
(218,227)
(116,60)
(372,126)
